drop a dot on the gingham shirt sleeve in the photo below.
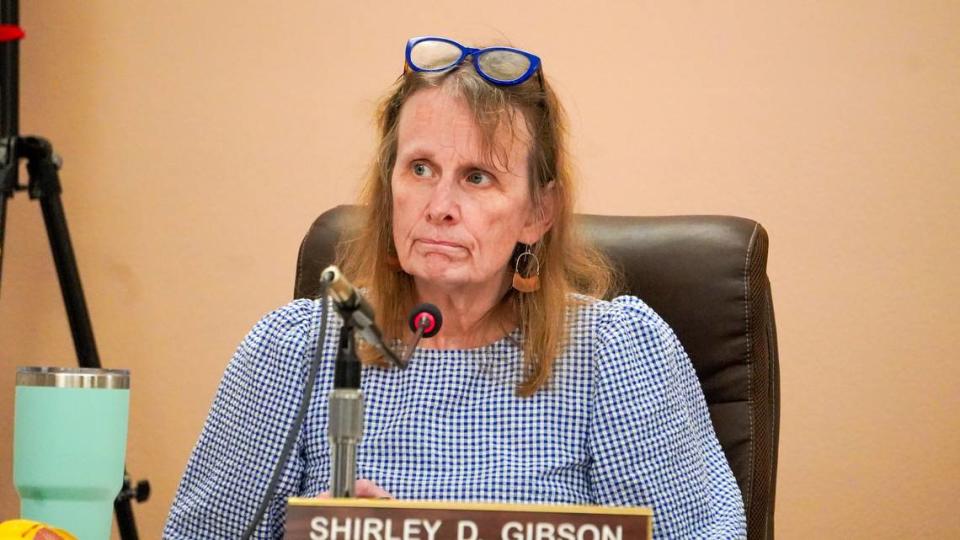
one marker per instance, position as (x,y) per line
(257,400)
(651,439)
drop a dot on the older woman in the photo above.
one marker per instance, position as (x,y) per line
(535,390)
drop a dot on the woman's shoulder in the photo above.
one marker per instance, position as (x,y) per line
(283,332)
(296,317)
(619,316)
(624,333)
(629,340)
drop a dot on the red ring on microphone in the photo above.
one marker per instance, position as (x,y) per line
(433,322)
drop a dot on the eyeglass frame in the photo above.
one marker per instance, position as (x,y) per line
(474,53)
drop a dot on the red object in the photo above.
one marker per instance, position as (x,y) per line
(10,32)
(432,322)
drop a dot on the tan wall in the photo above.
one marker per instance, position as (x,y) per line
(201,138)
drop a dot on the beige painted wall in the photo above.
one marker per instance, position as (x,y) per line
(201,138)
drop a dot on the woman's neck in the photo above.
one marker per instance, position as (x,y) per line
(472,316)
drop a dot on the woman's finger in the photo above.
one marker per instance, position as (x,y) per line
(366,489)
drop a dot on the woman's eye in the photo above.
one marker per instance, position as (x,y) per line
(422,169)
(478,178)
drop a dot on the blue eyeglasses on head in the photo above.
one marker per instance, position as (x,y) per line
(504,66)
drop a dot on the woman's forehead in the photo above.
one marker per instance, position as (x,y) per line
(431,113)
(435,118)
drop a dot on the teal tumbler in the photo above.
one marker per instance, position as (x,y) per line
(69,443)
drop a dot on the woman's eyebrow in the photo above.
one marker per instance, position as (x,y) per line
(471,166)
(417,151)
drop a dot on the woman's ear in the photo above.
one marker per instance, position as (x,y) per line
(541,215)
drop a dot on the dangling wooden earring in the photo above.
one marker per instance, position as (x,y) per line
(530,283)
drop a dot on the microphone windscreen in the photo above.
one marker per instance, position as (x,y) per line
(427,315)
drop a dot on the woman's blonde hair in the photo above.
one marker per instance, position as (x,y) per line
(567,264)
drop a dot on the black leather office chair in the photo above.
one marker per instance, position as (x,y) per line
(706,276)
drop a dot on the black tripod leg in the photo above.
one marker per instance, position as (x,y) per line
(69,276)
(9,113)
(123,509)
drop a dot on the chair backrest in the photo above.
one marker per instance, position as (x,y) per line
(706,276)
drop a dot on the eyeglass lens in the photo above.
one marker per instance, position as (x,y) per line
(503,65)
(500,65)
(430,54)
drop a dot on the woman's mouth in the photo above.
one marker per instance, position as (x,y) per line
(441,246)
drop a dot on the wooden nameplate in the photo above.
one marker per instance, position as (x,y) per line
(374,519)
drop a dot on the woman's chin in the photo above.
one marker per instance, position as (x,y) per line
(444,276)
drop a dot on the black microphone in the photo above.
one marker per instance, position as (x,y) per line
(425,321)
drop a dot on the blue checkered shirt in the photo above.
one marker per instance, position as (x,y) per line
(622,422)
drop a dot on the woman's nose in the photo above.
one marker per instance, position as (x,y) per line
(443,206)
